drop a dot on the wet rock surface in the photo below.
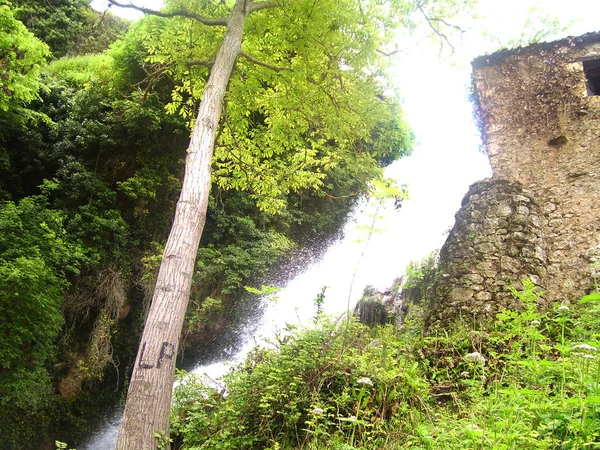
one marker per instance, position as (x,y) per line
(378,308)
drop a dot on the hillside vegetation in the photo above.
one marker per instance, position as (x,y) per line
(527,380)
(94,127)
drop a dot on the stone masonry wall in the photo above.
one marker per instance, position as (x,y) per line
(497,241)
(542,135)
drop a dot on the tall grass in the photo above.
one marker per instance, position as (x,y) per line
(529,380)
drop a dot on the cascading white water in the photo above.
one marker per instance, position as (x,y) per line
(444,163)
(348,266)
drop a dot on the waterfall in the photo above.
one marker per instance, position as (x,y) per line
(406,234)
(445,161)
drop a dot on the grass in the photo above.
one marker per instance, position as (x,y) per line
(529,380)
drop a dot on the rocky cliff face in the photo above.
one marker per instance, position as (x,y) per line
(378,308)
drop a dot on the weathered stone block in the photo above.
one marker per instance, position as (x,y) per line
(460,295)
(484,296)
(473,278)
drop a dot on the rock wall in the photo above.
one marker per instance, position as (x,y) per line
(497,241)
(378,308)
(539,216)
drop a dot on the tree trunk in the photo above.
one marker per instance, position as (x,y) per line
(149,397)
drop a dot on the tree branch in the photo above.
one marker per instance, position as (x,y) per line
(431,21)
(178,13)
(257,6)
(448,24)
(390,53)
(258,62)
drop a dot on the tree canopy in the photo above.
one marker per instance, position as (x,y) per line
(21,57)
(92,151)
(316,99)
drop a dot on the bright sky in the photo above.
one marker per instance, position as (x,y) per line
(446,159)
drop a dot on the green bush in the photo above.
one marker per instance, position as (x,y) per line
(529,380)
(319,388)
(36,258)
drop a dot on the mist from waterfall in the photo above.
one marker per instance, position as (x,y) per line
(445,161)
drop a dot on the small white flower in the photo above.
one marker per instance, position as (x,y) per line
(584,347)
(352,419)
(472,427)
(317,411)
(476,356)
(563,308)
(535,323)
(365,380)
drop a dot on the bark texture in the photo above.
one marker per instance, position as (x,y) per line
(150,390)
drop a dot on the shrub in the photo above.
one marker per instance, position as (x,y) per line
(318,388)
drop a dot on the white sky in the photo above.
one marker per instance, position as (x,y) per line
(446,159)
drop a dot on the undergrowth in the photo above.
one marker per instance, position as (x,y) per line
(529,380)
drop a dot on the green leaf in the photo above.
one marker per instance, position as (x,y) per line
(592,298)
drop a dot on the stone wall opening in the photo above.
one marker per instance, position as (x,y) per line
(591,69)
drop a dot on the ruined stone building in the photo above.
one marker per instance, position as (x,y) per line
(538,217)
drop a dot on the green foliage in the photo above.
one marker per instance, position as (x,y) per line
(264,290)
(30,303)
(69,27)
(21,56)
(55,22)
(419,274)
(416,285)
(538,27)
(37,257)
(98,32)
(318,389)
(61,445)
(286,131)
(81,71)
(250,251)
(528,380)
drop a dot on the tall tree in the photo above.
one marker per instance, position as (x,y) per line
(312,99)
(149,395)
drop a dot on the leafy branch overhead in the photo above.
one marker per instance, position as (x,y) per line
(308,93)
(252,7)
(299,104)
(21,57)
